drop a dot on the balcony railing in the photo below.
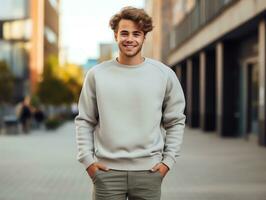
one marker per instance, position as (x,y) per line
(203,12)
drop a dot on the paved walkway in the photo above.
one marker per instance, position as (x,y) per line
(42,166)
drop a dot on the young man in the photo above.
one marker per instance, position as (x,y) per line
(131,122)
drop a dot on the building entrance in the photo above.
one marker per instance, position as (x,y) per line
(252,99)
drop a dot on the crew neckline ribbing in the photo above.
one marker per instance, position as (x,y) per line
(130,66)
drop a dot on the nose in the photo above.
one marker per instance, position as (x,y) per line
(130,38)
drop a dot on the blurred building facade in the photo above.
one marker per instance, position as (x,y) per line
(91,62)
(217,49)
(29,33)
(107,51)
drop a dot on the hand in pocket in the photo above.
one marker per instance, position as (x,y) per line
(91,170)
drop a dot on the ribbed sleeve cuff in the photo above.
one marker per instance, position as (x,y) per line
(87,160)
(167,160)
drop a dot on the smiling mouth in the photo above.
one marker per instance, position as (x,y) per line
(129,46)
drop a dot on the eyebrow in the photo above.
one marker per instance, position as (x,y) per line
(137,32)
(125,31)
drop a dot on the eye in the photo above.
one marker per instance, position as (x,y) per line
(123,34)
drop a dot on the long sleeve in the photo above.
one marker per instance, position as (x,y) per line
(173,119)
(86,121)
(122,116)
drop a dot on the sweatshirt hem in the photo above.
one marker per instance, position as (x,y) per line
(133,164)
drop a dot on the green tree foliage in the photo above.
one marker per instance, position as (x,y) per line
(72,75)
(6,83)
(60,84)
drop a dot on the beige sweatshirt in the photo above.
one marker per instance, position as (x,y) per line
(130,117)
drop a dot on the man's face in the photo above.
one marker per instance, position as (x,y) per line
(129,38)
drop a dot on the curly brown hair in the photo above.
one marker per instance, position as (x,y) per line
(139,16)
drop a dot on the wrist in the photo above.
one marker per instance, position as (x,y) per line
(90,166)
(166,166)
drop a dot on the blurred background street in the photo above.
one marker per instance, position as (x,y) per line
(216,48)
(42,166)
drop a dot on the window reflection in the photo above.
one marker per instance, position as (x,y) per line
(50,35)
(54,3)
(15,30)
(16,56)
(14,9)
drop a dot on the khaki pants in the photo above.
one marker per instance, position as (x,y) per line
(120,185)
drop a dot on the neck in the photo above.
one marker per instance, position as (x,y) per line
(125,60)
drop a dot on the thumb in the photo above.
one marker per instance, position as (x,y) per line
(156,167)
(102,167)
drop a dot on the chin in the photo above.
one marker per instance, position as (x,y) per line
(131,54)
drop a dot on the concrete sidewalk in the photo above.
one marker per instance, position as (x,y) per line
(43,166)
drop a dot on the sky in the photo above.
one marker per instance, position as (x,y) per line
(85,23)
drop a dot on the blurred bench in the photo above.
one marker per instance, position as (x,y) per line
(11,124)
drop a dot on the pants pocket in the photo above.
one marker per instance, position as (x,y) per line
(97,172)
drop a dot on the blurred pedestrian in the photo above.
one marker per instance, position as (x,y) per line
(74,110)
(25,115)
(39,117)
(130,124)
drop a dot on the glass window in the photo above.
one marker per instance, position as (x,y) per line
(14,9)
(20,29)
(20,60)
(54,3)
(50,35)
(5,51)
(15,55)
